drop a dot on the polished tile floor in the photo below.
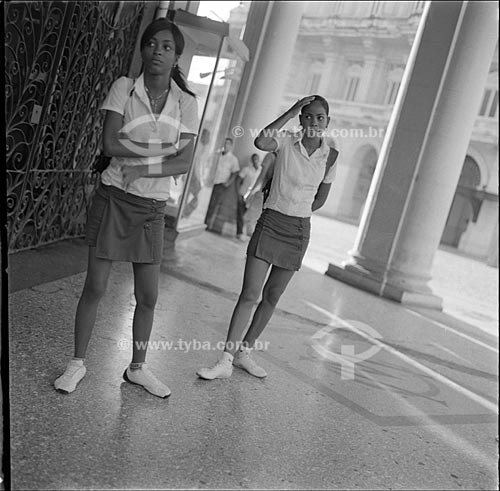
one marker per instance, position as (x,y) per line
(362,393)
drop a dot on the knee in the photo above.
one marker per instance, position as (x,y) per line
(146,300)
(94,290)
(249,295)
(272,296)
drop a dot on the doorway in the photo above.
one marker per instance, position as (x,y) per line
(462,210)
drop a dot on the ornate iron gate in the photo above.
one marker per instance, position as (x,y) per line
(61,58)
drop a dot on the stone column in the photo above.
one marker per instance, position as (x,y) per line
(270,35)
(423,152)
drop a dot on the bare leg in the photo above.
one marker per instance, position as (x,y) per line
(254,277)
(275,286)
(146,278)
(94,289)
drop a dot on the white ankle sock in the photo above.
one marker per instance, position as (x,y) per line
(227,357)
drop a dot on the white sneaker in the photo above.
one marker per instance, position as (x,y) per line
(222,369)
(143,377)
(242,360)
(67,382)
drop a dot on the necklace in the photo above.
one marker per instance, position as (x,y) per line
(154,101)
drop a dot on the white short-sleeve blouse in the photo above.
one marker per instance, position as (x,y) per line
(180,115)
(297,175)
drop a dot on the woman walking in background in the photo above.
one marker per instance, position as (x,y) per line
(244,183)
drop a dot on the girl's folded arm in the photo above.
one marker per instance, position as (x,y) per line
(117,144)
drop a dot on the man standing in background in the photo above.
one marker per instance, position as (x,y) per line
(225,175)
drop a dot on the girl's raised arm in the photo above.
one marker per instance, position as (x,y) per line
(265,139)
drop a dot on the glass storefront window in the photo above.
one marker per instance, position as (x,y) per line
(213,131)
(213,71)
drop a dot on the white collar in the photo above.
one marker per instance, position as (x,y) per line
(140,89)
(324,148)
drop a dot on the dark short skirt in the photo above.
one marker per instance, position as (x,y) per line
(125,227)
(280,240)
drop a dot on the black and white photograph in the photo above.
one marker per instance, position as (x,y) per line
(250,245)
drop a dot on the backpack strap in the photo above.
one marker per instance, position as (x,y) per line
(330,161)
(132,89)
(101,162)
(268,179)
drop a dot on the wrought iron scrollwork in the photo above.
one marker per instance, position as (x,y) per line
(61,58)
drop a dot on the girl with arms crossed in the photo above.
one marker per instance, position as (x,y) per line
(149,130)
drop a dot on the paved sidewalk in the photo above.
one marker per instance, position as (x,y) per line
(362,392)
(468,287)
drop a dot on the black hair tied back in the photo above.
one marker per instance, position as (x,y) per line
(180,80)
(323,102)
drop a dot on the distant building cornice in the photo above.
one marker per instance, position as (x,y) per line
(372,26)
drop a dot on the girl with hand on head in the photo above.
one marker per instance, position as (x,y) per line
(149,132)
(302,176)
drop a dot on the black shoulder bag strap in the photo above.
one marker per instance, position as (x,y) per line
(102,161)
(330,161)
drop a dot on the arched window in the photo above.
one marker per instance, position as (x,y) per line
(470,175)
(489,104)
(418,7)
(354,73)
(393,83)
(465,206)
(313,79)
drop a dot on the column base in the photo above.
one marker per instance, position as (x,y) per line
(362,279)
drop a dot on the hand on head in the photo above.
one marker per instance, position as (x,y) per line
(297,107)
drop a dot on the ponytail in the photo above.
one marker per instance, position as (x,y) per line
(179,79)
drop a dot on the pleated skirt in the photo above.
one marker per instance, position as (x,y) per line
(125,227)
(280,240)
